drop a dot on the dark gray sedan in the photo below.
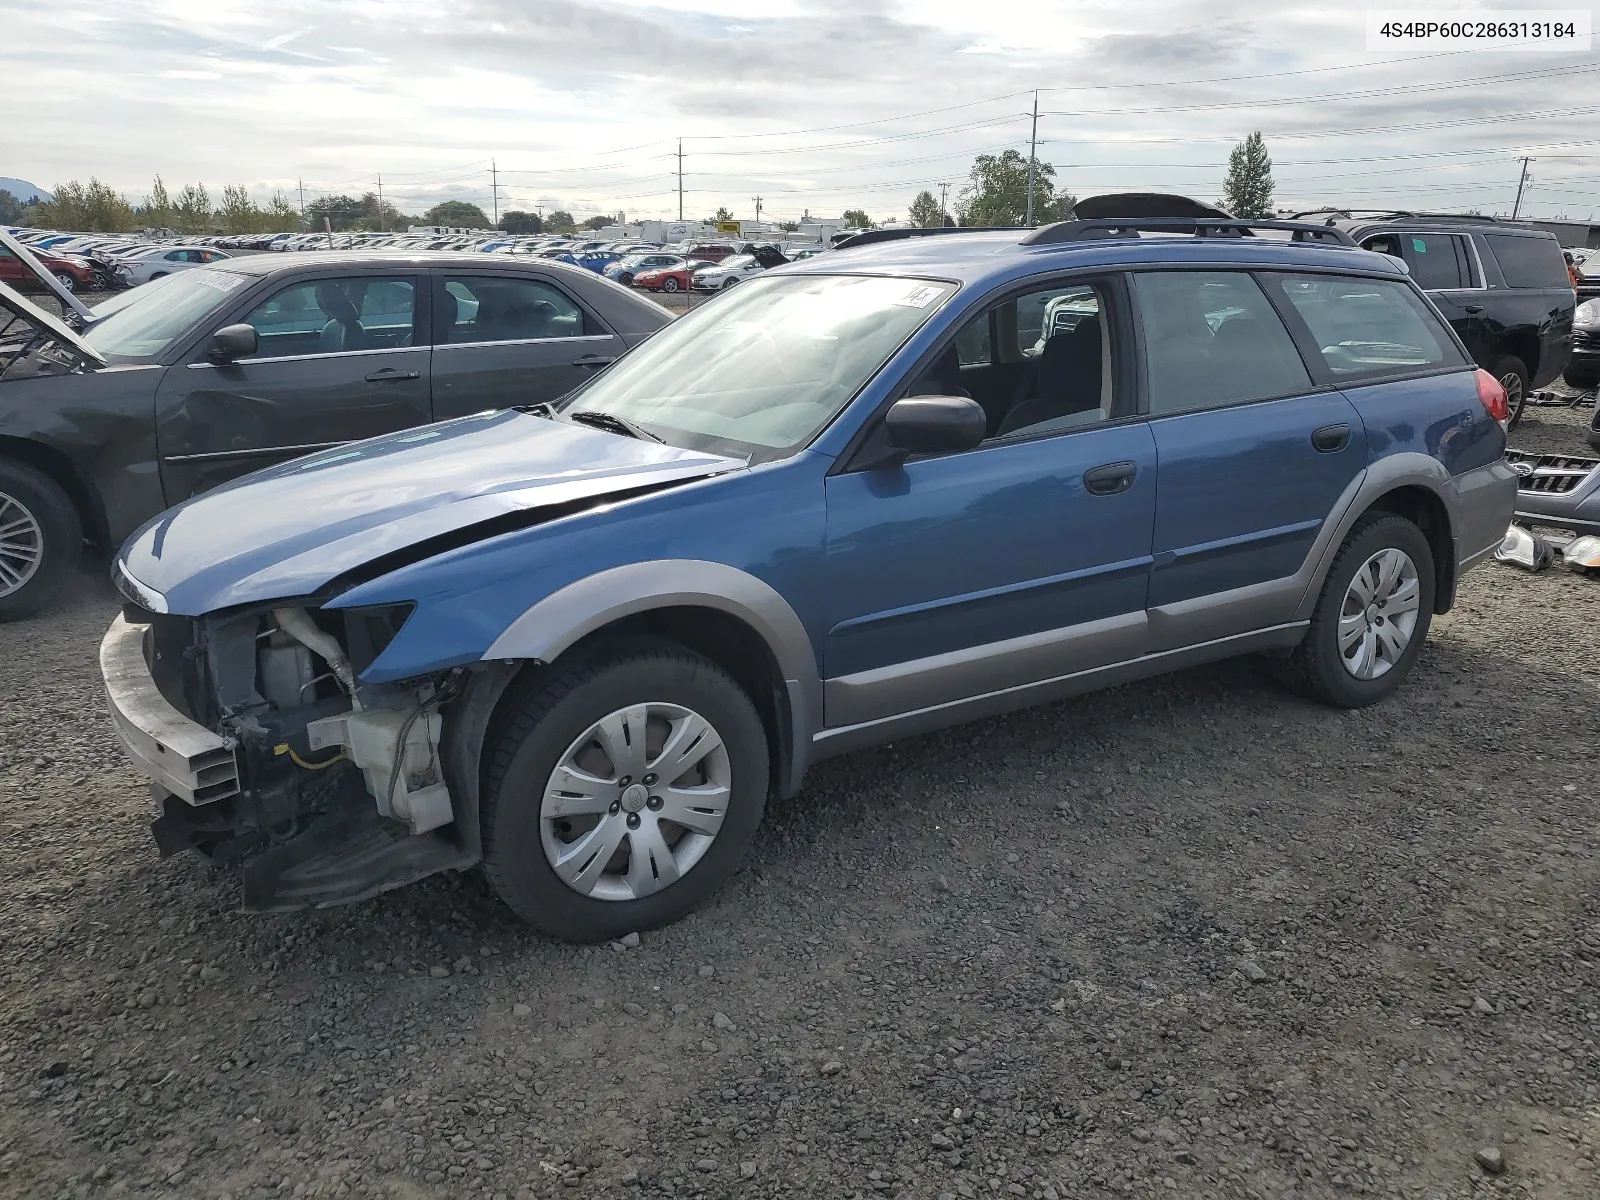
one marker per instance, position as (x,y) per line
(192,380)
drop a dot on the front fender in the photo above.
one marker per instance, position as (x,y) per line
(554,624)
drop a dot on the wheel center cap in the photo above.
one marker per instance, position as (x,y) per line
(1372,613)
(634,796)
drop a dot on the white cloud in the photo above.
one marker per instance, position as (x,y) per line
(581,103)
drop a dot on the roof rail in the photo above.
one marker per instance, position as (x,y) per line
(869,237)
(1114,227)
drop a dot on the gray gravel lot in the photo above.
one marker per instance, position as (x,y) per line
(1187,938)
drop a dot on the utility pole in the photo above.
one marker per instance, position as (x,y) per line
(680,179)
(302,184)
(1033,142)
(380,201)
(757,199)
(1521,183)
(944,197)
(494,187)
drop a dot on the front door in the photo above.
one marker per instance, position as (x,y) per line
(1253,459)
(506,340)
(337,363)
(1023,560)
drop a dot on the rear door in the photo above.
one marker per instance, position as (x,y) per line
(502,340)
(1253,455)
(338,362)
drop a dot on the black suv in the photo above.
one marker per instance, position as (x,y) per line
(1503,287)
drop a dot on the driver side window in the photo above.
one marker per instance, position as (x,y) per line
(333,315)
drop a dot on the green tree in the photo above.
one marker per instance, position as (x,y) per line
(456,214)
(854,218)
(280,216)
(91,208)
(157,210)
(789,226)
(238,213)
(925,212)
(191,211)
(722,215)
(517,221)
(996,192)
(1247,189)
(560,222)
(599,222)
(10,208)
(340,211)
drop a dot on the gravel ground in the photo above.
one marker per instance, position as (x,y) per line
(1187,938)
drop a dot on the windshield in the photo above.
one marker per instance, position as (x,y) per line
(766,366)
(140,324)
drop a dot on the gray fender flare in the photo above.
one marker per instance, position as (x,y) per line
(556,623)
(1407,469)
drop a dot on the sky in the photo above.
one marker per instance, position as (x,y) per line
(814,105)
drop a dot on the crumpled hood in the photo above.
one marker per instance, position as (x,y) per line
(292,529)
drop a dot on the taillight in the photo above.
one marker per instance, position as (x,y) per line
(1493,396)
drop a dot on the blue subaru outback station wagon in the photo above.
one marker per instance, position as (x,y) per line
(913,482)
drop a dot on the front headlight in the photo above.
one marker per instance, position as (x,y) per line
(1587,313)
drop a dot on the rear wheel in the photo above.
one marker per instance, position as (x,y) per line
(154,275)
(622,793)
(41,539)
(1512,373)
(1372,617)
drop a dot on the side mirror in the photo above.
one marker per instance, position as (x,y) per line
(935,424)
(233,342)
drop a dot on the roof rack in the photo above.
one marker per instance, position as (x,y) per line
(1116,227)
(1399,214)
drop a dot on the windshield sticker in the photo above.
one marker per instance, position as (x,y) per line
(920,297)
(220,280)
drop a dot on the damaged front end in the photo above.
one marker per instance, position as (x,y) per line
(265,750)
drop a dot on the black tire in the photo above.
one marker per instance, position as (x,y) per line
(728,283)
(1581,377)
(669,285)
(1315,668)
(1513,375)
(625,279)
(66,280)
(538,732)
(61,532)
(155,275)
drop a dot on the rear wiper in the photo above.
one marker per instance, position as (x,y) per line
(612,423)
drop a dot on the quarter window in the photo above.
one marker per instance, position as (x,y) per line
(1213,339)
(1369,327)
(332,315)
(499,308)
(1529,262)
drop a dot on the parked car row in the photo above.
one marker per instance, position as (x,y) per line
(86,262)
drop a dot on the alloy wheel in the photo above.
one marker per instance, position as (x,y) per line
(1379,614)
(635,801)
(670,285)
(21,545)
(1512,382)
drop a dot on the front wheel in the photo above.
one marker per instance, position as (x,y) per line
(1512,373)
(623,792)
(669,285)
(67,282)
(41,539)
(1372,617)
(728,283)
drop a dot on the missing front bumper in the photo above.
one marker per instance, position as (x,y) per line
(178,754)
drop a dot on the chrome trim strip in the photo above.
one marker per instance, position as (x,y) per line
(1201,549)
(176,753)
(253,452)
(585,337)
(247,362)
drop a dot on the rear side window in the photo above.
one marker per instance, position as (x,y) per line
(500,308)
(1529,262)
(1437,260)
(1369,327)
(1213,339)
